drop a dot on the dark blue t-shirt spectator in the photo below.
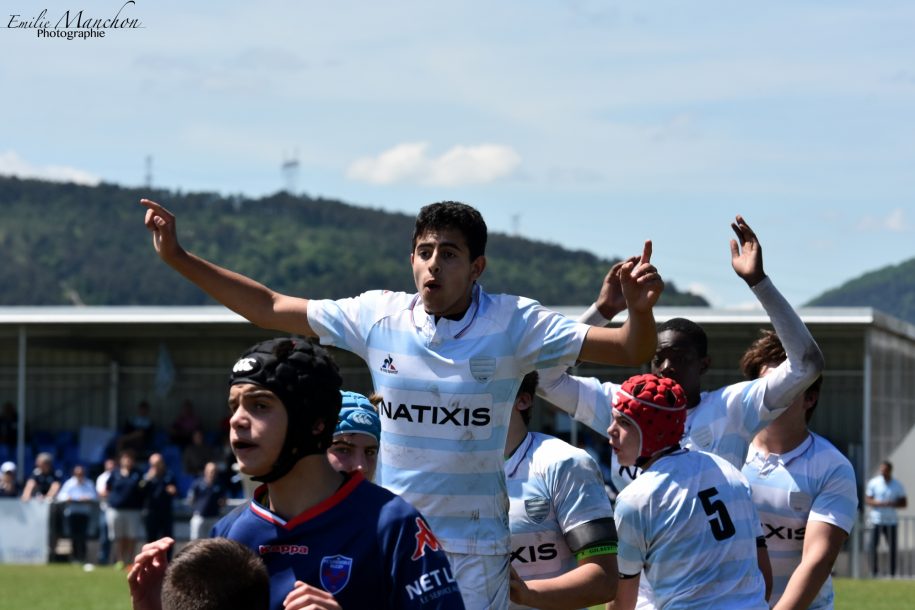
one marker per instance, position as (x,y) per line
(205,498)
(124,491)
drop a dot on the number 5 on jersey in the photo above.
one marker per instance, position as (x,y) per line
(721,524)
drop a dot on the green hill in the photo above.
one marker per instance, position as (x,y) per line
(65,243)
(890,289)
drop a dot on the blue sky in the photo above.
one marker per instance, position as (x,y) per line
(591,124)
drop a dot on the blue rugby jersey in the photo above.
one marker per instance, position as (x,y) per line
(448,390)
(687,523)
(813,482)
(364,545)
(553,488)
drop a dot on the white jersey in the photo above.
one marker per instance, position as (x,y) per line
(813,482)
(553,488)
(879,489)
(725,420)
(448,390)
(687,523)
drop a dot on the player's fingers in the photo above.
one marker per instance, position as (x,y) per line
(646,251)
(734,251)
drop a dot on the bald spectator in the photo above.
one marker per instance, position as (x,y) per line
(45,480)
(160,490)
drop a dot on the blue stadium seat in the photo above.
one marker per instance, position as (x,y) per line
(172,456)
(184,482)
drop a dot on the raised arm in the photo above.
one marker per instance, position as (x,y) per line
(254,301)
(634,342)
(805,361)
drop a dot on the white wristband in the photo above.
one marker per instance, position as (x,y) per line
(593,317)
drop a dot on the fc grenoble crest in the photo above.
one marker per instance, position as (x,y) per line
(335,571)
(537,508)
(482,368)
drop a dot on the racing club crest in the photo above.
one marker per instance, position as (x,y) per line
(482,368)
(537,508)
(335,571)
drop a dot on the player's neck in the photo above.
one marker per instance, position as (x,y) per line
(781,437)
(517,432)
(311,481)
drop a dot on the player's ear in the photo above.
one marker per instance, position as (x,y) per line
(523,401)
(477,267)
(704,363)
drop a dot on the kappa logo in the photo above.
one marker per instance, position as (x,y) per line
(244,365)
(424,538)
(388,366)
(335,572)
(283,549)
(537,508)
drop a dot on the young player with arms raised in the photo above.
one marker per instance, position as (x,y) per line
(448,361)
(804,490)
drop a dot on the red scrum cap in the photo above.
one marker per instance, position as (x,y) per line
(657,407)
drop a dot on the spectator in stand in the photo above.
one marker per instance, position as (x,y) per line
(137,434)
(9,486)
(185,424)
(196,455)
(9,425)
(206,497)
(101,488)
(80,496)
(884,495)
(125,505)
(45,480)
(159,490)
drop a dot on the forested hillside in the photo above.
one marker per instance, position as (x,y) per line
(890,289)
(65,244)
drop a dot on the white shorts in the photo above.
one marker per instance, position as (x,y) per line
(483,580)
(126,523)
(201,526)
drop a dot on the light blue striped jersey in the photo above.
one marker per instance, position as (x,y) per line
(687,523)
(879,489)
(723,423)
(448,390)
(812,482)
(553,488)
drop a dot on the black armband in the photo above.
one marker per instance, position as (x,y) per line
(593,533)
(761,542)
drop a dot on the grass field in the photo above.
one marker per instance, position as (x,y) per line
(65,587)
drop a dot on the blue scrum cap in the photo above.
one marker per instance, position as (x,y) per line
(358,416)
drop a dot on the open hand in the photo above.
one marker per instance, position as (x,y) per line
(146,575)
(747,258)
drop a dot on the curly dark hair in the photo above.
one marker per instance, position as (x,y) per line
(457,216)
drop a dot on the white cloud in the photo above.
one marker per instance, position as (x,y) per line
(705,291)
(11,164)
(895,222)
(461,165)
